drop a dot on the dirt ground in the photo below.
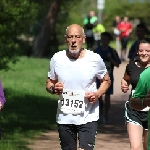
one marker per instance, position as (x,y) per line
(110,136)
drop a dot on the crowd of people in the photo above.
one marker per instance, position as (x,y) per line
(93,29)
(121,32)
(100,40)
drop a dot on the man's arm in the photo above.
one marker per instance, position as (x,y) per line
(105,83)
(53,86)
(49,83)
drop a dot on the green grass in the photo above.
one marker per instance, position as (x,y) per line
(29,109)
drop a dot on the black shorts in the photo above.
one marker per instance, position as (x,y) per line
(136,117)
(124,42)
(86,136)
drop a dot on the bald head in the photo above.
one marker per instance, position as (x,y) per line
(75,27)
(75,38)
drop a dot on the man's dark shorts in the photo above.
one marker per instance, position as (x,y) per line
(86,136)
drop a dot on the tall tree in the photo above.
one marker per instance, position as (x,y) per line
(57,18)
(46,43)
(15,18)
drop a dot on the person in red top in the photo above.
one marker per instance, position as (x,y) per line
(125,29)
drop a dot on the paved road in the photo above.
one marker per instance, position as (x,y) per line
(112,136)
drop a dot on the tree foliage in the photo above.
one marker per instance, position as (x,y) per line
(69,12)
(46,20)
(74,12)
(16,17)
(135,10)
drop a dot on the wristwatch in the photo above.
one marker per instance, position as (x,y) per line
(52,90)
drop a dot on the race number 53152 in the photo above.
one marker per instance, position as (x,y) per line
(72,102)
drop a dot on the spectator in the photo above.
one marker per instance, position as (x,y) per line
(125,29)
(97,30)
(89,33)
(92,16)
(111,59)
(88,23)
(140,31)
(116,32)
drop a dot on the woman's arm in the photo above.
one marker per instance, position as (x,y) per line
(125,82)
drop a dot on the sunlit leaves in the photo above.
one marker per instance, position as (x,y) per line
(16,17)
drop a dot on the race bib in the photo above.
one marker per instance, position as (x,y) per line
(108,66)
(72,102)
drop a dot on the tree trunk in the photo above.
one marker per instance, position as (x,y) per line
(45,43)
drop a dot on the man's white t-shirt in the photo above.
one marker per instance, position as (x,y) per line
(79,74)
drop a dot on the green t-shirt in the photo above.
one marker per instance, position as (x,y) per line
(143,85)
(141,90)
(92,20)
(99,28)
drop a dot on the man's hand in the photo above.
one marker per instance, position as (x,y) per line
(92,96)
(147,99)
(59,87)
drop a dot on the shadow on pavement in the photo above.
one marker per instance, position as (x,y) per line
(116,125)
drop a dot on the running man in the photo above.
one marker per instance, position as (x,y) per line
(72,76)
